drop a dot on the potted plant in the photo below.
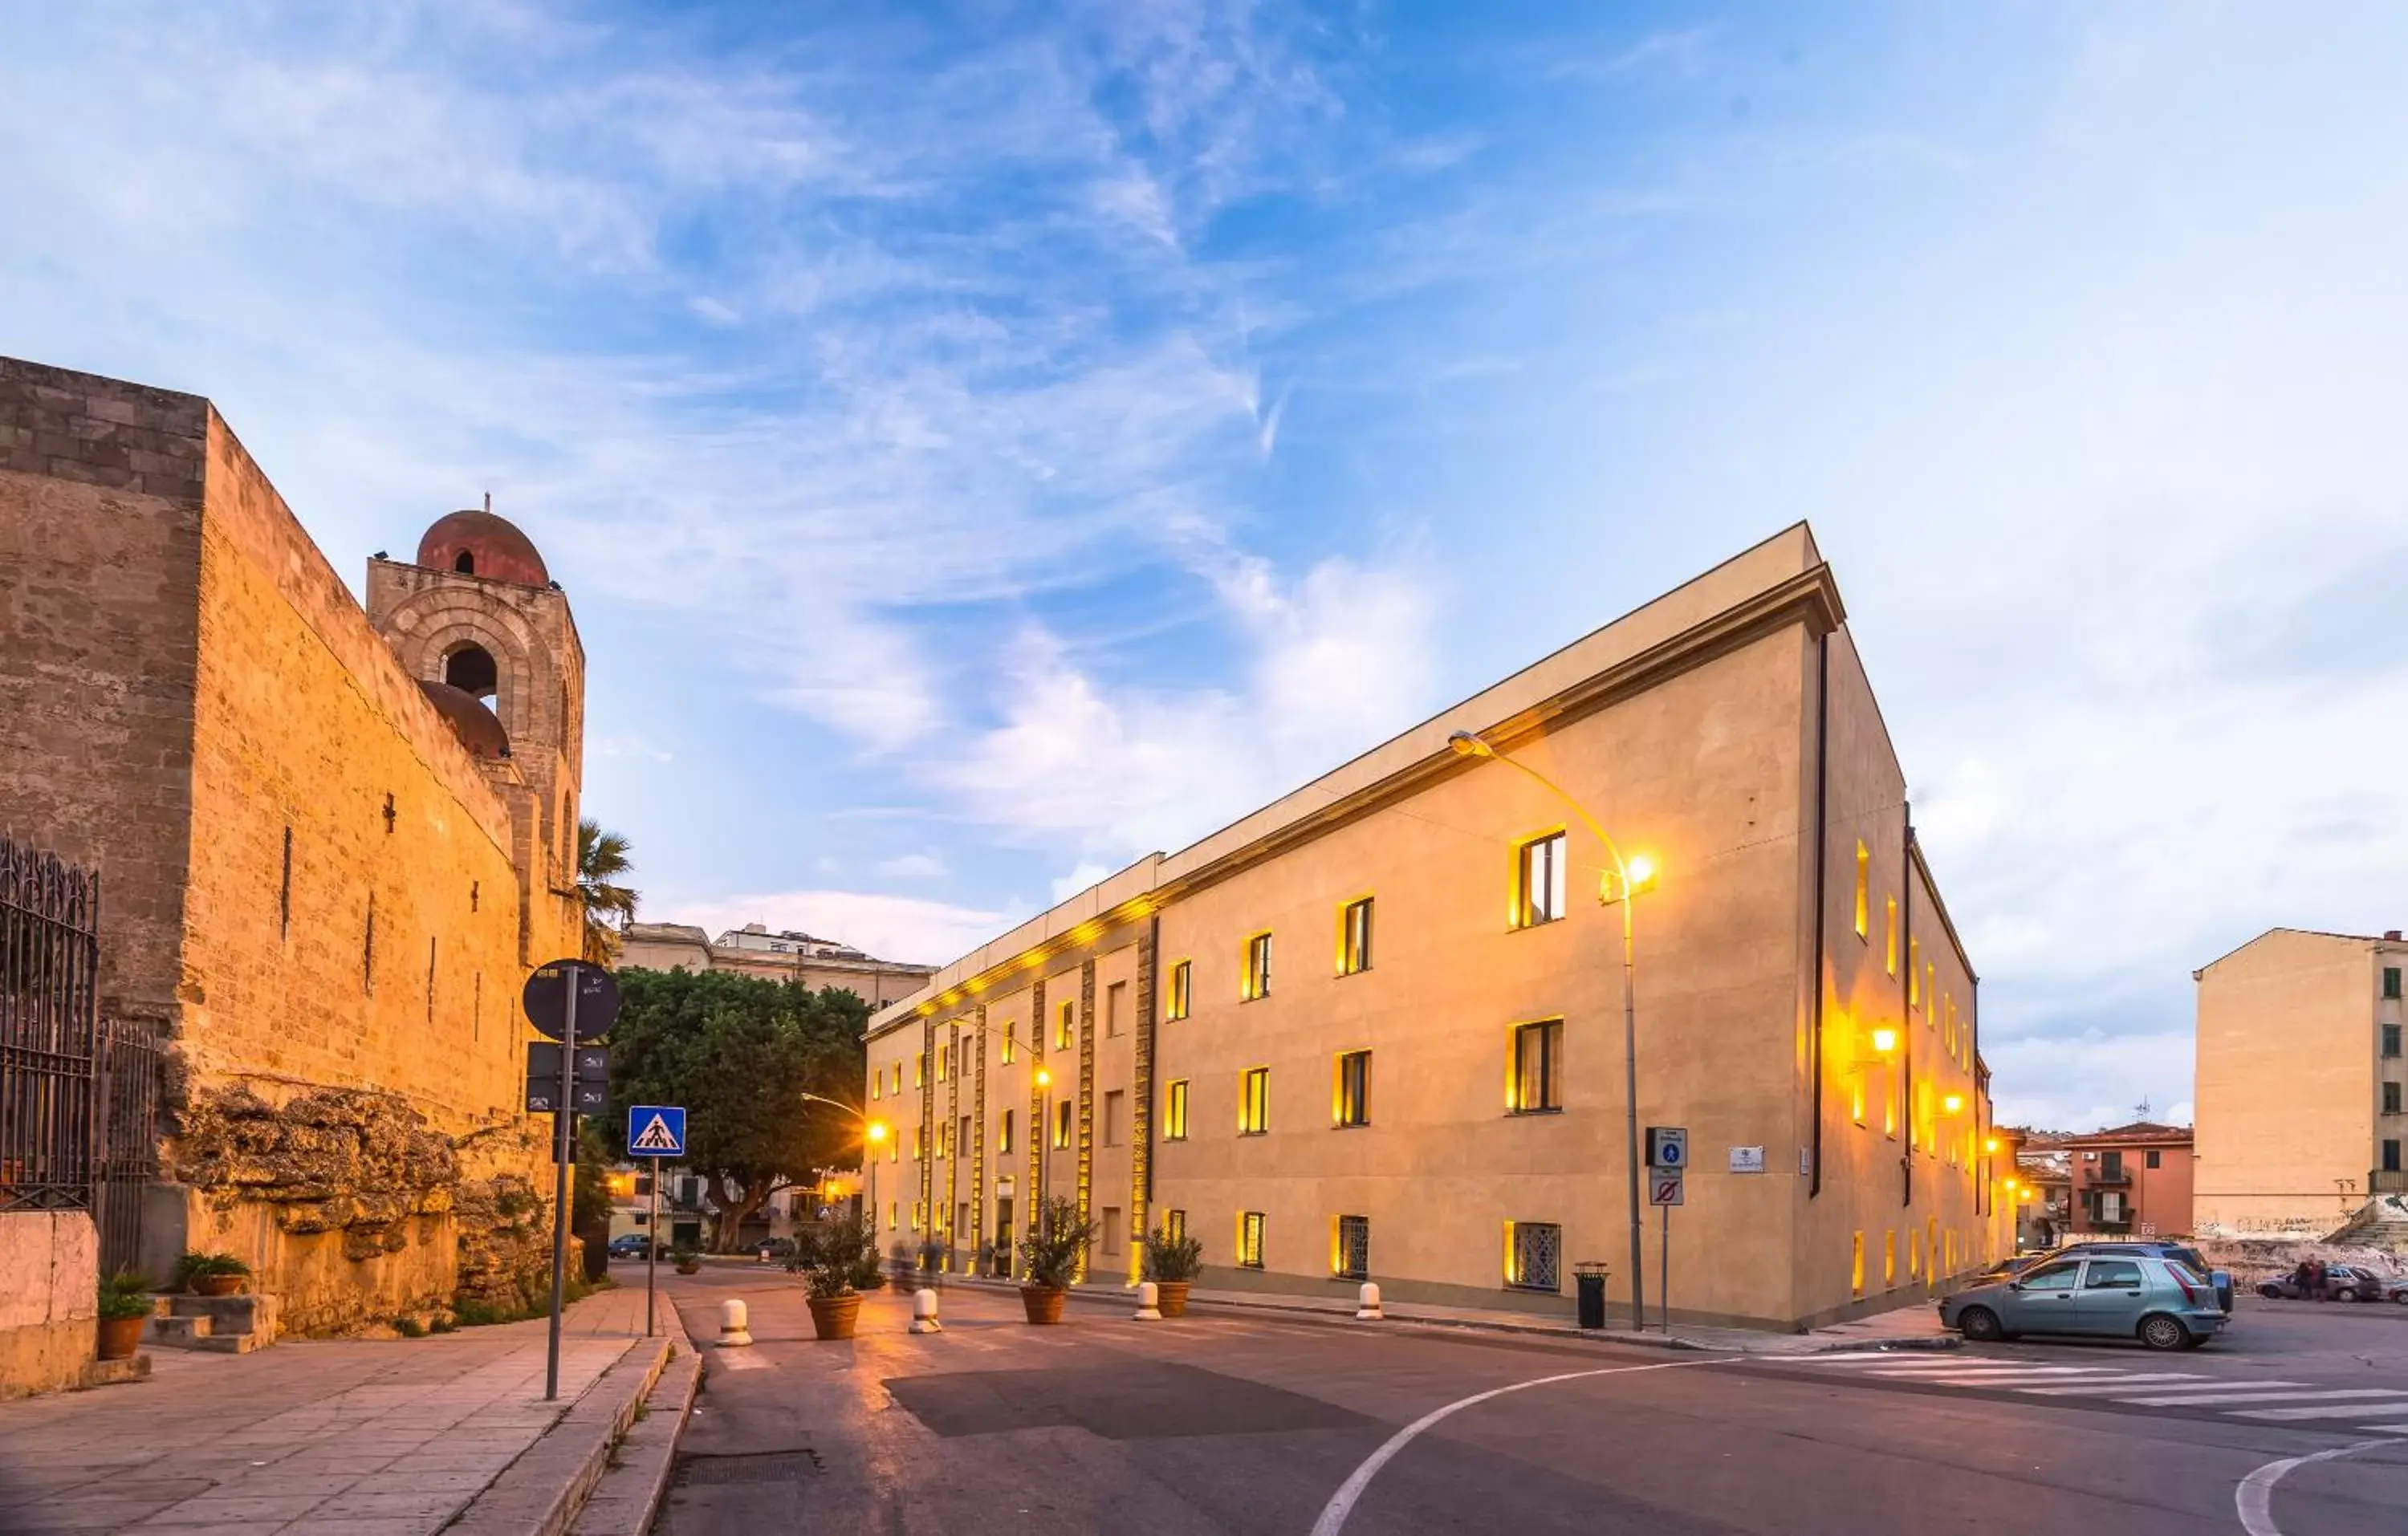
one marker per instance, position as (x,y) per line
(1051,1258)
(211,1274)
(687,1258)
(1172,1263)
(124,1307)
(837,1261)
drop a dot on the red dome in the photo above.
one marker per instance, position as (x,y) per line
(477,543)
(470,719)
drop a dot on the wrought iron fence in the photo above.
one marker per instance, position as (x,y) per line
(130,1052)
(50,1040)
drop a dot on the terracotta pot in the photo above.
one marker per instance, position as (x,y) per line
(216,1285)
(1170,1296)
(833,1316)
(694,1268)
(120,1337)
(1043,1303)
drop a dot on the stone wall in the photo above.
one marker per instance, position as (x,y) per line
(50,1283)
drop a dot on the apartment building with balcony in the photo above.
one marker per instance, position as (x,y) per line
(2130,1181)
(2300,1080)
(1374,1030)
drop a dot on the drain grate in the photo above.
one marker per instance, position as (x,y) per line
(767,1467)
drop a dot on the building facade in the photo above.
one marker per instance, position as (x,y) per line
(330,862)
(2043,1192)
(785,955)
(1374,1029)
(2300,1080)
(2130,1181)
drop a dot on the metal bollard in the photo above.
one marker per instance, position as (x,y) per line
(733,1331)
(1367,1304)
(924,1314)
(1147,1298)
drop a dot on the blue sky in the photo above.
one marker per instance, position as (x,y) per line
(984,443)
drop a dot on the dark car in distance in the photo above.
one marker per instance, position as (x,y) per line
(631,1246)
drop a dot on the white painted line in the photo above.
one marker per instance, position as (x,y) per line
(2356,1410)
(2385,1429)
(739,1361)
(1341,1504)
(2252,1392)
(2123,1384)
(2254,1499)
(2012,1373)
(1927,1357)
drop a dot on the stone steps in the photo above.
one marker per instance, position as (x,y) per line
(226,1325)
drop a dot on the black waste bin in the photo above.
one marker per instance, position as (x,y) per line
(1590,1281)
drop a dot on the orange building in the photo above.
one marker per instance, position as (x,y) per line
(2131,1181)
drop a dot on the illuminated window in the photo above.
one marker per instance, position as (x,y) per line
(878,1083)
(1181,989)
(899,1078)
(1355,937)
(893,1213)
(1889,951)
(1010,1041)
(1003,1133)
(919,1147)
(1250,1238)
(1255,1107)
(1350,1248)
(941,1137)
(1864,889)
(1062,1124)
(1258,967)
(919,1214)
(1930,993)
(1174,1223)
(944,1056)
(1889,1258)
(1537,1084)
(1914,973)
(1354,1106)
(1534,1255)
(1856,1265)
(1931,1245)
(1539,887)
(1062,1022)
(1889,1105)
(1174,1114)
(919,1067)
(894,1150)
(1856,1099)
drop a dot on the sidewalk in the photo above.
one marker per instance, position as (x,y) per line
(1915,1326)
(332,1438)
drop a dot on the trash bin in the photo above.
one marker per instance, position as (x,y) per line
(1590,1281)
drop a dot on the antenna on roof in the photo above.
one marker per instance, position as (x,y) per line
(2140,1109)
(489,503)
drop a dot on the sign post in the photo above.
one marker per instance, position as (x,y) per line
(656,1131)
(1668,1162)
(552,998)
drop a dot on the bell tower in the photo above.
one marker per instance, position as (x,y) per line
(488,633)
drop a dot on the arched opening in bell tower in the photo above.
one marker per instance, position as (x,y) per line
(465,563)
(472,670)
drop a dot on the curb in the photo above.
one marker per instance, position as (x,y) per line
(623,1503)
(541,1492)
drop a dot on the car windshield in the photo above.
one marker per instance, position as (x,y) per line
(2184,1270)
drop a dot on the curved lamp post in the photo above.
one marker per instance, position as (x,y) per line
(1620,885)
(873,1132)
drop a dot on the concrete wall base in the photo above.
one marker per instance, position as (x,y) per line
(49,1299)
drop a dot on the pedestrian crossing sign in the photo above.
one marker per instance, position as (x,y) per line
(656,1130)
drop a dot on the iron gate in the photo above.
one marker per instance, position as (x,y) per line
(129,1142)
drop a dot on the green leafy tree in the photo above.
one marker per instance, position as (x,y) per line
(602,864)
(740,1053)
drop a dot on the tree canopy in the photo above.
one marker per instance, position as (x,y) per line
(739,1051)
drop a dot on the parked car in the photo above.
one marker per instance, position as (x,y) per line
(2007,1268)
(631,1246)
(2343,1283)
(2162,1302)
(769,1250)
(2108,1247)
(2397,1290)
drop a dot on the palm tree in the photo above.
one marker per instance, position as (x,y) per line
(601,860)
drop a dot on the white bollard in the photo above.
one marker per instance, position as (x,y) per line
(1367,1304)
(1147,1297)
(924,1314)
(733,1331)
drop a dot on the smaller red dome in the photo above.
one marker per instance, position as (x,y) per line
(476,543)
(470,719)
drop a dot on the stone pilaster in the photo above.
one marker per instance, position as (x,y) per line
(1039,1130)
(954,1148)
(978,1135)
(1148,943)
(1086,1097)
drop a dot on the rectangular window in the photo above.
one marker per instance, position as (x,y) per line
(1111,1230)
(919,1214)
(1250,1238)
(2391,1098)
(2391,980)
(1889,947)
(1174,1114)
(1354,1106)
(898,1080)
(1062,1124)
(1114,997)
(1355,937)
(2110,1165)
(919,1146)
(892,1214)
(1538,1068)
(1255,1105)
(962,1142)
(919,1067)
(2391,1041)
(943,1130)
(1062,1024)
(1864,889)
(1258,968)
(1350,1248)
(2155,1158)
(1181,978)
(1856,1265)
(1175,1224)
(1003,1133)
(1914,973)
(1856,1099)
(1010,1041)
(1534,1255)
(1539,890)
(1114,1102)
(2391,1156)
(1889,1258)
(944,1056)
(878,1083)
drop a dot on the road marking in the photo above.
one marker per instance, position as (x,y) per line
(2007,1374)
(2114,1383)
(1891,1357)
(1341,1504)
(740,1360)
(2251,1392)
(2387,1428)
(2397,1403)
(2254,1499)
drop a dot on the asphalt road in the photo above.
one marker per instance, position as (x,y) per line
(1253,1422)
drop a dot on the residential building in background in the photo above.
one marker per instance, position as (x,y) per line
(2131,1181)
(753,950)
(2299,1081)
(2043,1192)
(1435,1099)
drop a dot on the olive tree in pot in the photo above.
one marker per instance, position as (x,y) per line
(124,1307)
(687,1258)
(1051,1258)
(837,1261)
(1172,1263)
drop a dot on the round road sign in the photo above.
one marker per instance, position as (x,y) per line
(546,998)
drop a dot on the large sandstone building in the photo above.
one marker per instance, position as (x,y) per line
(332,840)
(782,955)
(1435,1100)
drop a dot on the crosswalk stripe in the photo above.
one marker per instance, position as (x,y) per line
(2396,1403)
(2006,1372)
(1869,1359)
(2385,1429)
(2112,1385)
(2253,1392)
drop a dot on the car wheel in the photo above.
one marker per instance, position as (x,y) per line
(2270,1292)
(2159,1331)
(1981,1324)
(2344,1294)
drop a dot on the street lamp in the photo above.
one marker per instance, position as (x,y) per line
(872,1132)
(1620,884)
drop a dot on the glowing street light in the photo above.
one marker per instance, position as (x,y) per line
(1884,1040)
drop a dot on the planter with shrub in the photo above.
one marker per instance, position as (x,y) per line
(687,1259)
(1050,1260)
(837,1261)
(211,1274)
(124,1307)
(1172,1263)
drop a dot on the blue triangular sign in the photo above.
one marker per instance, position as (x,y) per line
(656,1136)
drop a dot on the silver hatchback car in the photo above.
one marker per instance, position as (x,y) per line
(2157,1300)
